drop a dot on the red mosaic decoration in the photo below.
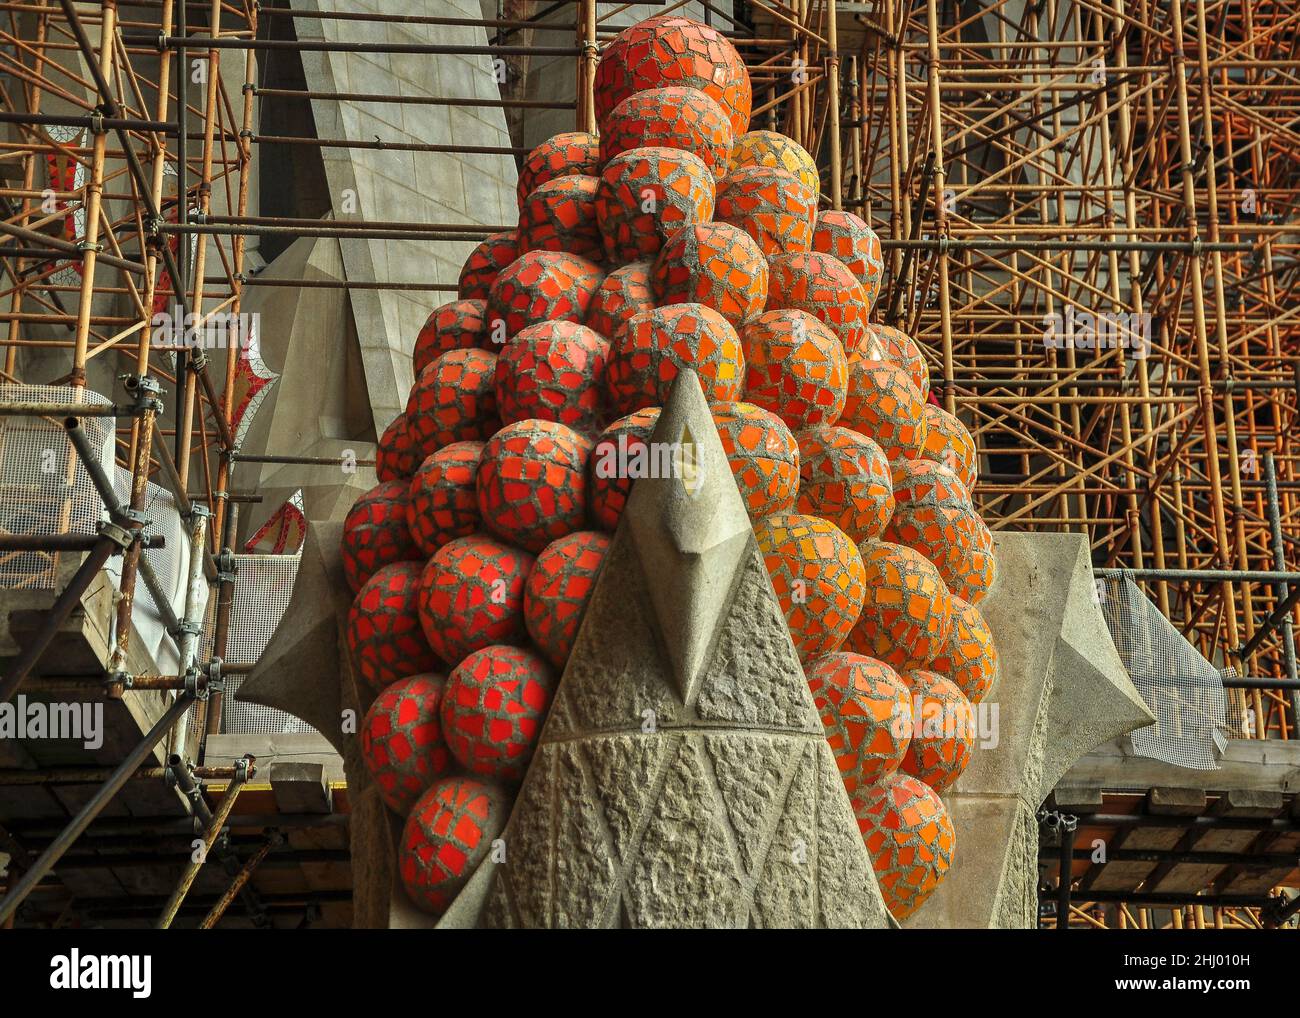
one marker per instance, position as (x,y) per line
(492,254)
(570,153)
(648,194)
(968,657)
(655,345)
(455,326)
(774,207)
(909,837)
(622,294)
(682,118)
(850,240)
(973,577)
(442,504)
(493,710)
(540,286)
(554,371)
(560,215)
(817,574)
(864,706)
(883,404)
(948,442)
(885,343)
(844,477)
(383,633)
(612,467)
(558,590)
(907,613)
(375,533)
(925,482)
(771,148)
(815,282)
(453,400)
(395,455)
(472,595)
(401,740)
(763,456)
(672,50)
(946,535)
(449,832)
(532,483)
(714,264)
(795,367)
(943,730)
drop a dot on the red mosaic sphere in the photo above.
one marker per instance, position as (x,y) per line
(883,404)
(771,148)
(844,477)
(851,241)
(453,400)
(620,456)
(540,286)
(907,613)
(762,454)
(396,455)
(657,344)
(795,367)
(622,294)
(673,50)
(441,502)
(401,740)
(375,533)
(570,153)
(472,595)
(865,707)
(553,371)
(946,535)
(383,632)
(973,576)
(773,206)
(493,709)
(714,264)
(681,118)
(455,326)
(925,482)
(648,194)
(885,343)
(448,833)
(817,574)
(815,282)
(968,657)
(909,837)
(489,257)
(948,442)
(943,730)
(532,483)
(560,215)
(558,590)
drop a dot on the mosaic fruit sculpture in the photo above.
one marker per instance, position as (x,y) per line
(395,455)
(558,589)
(453,400)
(374,533)
(384,636)
(773,206)
(865,707)
(492,254)
(768,148)
(648,194)
(560,215)
(763,456)
(909,836)
(907,613)
(851,241)
(968,657)
(948,442)
(623,293)
(449,831)
(554,371)
(815,282)
(620,455)
(571,153)
(540,286)
(655,345)
(886,343)
(882,403)
(442,504)
(844,477)
(683,118)
(942,736)
(401,740)
(453,326)
(472,595)
(714,264)
(795,367)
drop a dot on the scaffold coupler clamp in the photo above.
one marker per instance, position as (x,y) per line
(146,390)
(227,567)
(214,679)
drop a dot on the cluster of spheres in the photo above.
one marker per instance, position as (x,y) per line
(676,238)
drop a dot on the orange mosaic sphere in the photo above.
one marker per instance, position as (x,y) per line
(622,294)
(532,483)
(973,576)
(673,50)
(774,207)
(885,343)
(907,612)
(817,574)
(681,118)
(441,501)
(558,590)
(454,326)
(396,455)
(448,833)
(492,254)
(714,264)
(771,148)
(851,241)
(817,283)
(375,533)
(844,477)
(570,153)
(882,403)
(968,657)
(383,631)
(472,595)
(948,442)
(453,400)
(795,367)
(620,456)
(909,837)
(560,215)
(553,371)
(943,730)
(540,286)
(864,706)
(656,345)
(402,743)
(925,482)
(946,535)
(648,194)
(763,456)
